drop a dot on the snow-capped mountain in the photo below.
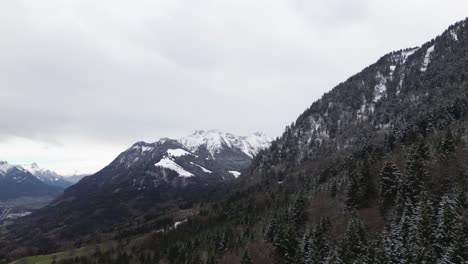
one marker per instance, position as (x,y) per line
(47,176)
(16,182)
(215,142)
(147,175)
(4,167)
(224,153)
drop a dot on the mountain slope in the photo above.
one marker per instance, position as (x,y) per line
(383,151)
(76,178)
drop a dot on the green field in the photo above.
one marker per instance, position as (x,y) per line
(47,259)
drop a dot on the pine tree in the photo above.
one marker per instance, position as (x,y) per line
(450,237)
(411,184)
(286,243)
(315,245)
(355,197)
(305,256)
(246,258)
(389,177)
(423,151)
(354,247)
(298,212)
(393,249)
(320,241)
(447,148)
(272,230)
(421,239)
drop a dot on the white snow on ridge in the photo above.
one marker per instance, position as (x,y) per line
(254,143)
(178,223)
(202,168)
(235,173)
(4,167)
(427,58)
(146,148)
(142,147)
(168,163)
(42,174)
(405,54)
(34,169)
(214,141)
(177,152)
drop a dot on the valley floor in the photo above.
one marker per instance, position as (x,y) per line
(47,259)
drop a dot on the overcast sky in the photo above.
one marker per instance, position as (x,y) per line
(82,80)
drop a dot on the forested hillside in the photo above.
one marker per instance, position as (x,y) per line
(373,172)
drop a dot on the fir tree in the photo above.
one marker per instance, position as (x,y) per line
(450,238)
(286,243)
(389,177)
(272,229)
(356,193)
(447,147)
(420,240)
(354,247)
(298,212)
(305,256)
(411,184)
(246,258)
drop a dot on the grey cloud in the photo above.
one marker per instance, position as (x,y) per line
(121,71)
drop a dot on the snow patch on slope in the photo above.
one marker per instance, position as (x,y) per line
(381,88)
(168,163)
(235,173)
(454,35)
(404,55)
(178,223)
(427,58)
(177,152)
(142,147)
(202,168)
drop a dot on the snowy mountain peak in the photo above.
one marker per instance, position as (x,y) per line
(142,146)
(233,152)
(214,141)
(34,168)
(4,167)
(45,175)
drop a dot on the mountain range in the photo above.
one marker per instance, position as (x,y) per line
(47,176)
(149,180)
(373,172)
(28,181)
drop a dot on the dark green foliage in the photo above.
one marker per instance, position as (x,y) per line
(315,246)
(246,259)
(360,188)
(354,247)
(389,183)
